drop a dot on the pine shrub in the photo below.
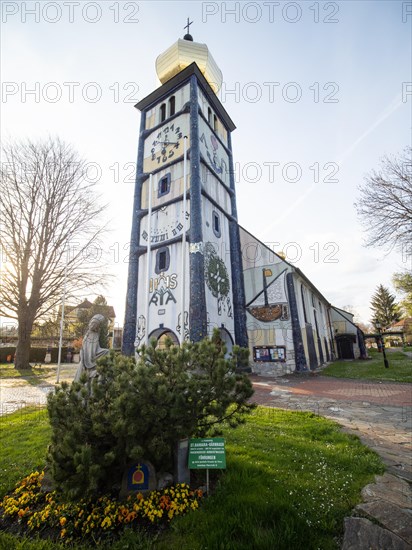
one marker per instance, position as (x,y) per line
(141,409)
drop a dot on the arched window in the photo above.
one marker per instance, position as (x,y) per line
(172,105)
(209,115)
(215,123)
(162,112)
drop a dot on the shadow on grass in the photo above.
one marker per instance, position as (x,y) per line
(32,375)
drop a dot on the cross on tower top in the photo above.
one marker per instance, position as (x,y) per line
(187,26)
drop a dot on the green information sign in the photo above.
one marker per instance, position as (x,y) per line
(207,454)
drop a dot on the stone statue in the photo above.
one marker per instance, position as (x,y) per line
(91,350)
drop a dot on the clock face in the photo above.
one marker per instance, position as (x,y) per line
(166,224)
(165,144)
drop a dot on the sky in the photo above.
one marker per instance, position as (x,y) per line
(319,92)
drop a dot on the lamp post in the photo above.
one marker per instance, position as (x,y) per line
(385,360)
(62,317)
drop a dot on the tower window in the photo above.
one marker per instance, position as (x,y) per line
(162,259)
(162,112)
(215,123)
(216,224)
(163,187)
(209,115)
(172,105)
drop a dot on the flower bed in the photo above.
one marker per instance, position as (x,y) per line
(40,512)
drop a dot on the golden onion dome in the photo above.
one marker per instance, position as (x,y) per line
(182,54)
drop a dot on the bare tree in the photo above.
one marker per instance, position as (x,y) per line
(50,232)
(385,204)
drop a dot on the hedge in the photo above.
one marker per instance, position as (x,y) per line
(37,355)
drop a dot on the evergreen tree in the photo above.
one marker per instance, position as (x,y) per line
(140,410)
(384,308)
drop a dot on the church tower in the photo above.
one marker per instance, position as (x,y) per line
(185,272)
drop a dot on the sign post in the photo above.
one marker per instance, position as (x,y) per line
(207,454)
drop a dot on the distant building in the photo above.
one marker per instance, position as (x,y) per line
(401,329)
(74,314)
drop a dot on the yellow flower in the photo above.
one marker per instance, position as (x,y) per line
(106,523)
(63,533)
(63,521)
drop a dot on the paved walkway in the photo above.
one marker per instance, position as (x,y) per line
(380,413)
(16,393)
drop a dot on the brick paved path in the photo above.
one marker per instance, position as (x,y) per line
(389,393)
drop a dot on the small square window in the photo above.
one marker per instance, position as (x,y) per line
(216,224)
(162,260)
(163,186)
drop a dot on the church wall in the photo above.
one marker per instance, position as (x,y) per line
(175,185)
(218,270)
(153,116)
(213,153)
(212,118)
(307,324)
(320,330)
(214,188)
(342,322)
(165,293)
(268,316)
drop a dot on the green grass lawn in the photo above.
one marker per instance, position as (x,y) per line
(7,370)
(24,436)
(291,478)
(400,368)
